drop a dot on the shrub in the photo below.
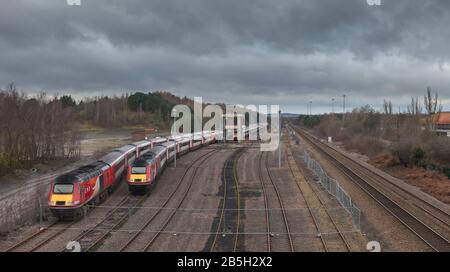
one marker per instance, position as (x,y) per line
(401,150)
(366,145)
(311,121)
(446,171)
(7,162)
(418,157)
(328,126)
(438,149)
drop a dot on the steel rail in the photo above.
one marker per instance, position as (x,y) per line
(421,229)
(147,223)
(283,212)
(89,238)
(186,192)
(233,159)
(266,204)
(344,240)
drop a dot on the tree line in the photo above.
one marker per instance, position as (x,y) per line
(34,128)
(41,127)
(124,110)
(407,136)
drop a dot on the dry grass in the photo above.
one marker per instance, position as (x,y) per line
(365,145)
(383,161)
(431,182)
(396,144)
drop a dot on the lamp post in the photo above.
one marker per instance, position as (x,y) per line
(343,108)
(332,105)
(173,132)
(343,102)
(224,128)
(279,139)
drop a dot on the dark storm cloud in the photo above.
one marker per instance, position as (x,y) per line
(286,52)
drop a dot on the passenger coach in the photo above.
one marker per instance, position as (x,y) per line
(140,162)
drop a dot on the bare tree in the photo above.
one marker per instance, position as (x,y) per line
(388,118)
(414,109)
(33,129)
(387,107)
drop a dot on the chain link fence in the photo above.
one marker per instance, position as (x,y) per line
(333,188)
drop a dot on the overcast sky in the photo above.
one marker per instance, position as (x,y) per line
(235,51)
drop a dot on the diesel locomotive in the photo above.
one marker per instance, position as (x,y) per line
(141,162)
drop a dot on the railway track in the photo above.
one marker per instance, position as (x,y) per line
(44,236)
(142,228)
(221,239)
(428,222)
(266,204)
(290,244)
(296,173)
(40,238)
(92,237)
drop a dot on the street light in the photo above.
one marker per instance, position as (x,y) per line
(279,139)
(332,105)
(224,128)
(343,103)
(173,132)
(343,108)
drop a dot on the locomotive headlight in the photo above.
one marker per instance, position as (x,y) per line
(73,202)
(52,203)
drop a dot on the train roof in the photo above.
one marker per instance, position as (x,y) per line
(126,148)
(140,163)
(141,143)
(185,139)
(158,148)
(149,154)
(82,173)
(144,159)
(180,138)
(166,144)
(197,136)
(158,139)
(112,157)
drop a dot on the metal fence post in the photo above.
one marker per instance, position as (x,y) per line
(334,189)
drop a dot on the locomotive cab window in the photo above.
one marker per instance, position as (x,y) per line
(138,170)
(63,189)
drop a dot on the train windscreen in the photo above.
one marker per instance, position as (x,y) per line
(138,170)
(63,189)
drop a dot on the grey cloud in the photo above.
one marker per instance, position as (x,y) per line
(257,52)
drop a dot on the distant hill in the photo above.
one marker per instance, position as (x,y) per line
(290,115)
